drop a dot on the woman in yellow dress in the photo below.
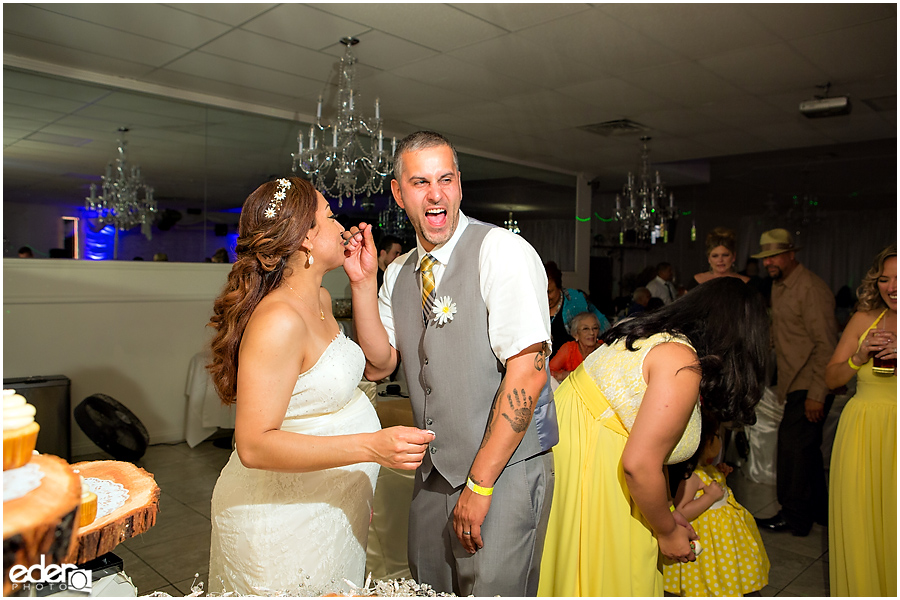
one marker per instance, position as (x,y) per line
(862,496)
(629,409)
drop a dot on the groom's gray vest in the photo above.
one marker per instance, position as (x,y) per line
(451,371)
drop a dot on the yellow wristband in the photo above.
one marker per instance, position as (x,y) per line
(671,508)
(481,491)
(853,364)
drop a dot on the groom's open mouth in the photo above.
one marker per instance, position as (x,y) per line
(436,217)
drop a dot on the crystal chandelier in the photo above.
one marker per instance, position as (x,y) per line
(346,157)
(512,224)
(393,221)
(646,210)
(126,200)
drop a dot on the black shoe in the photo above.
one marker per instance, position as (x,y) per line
(779,523)
(776,523)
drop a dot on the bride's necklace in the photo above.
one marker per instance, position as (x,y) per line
(321,312)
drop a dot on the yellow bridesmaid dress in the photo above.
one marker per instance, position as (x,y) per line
(862,498)
(598,543)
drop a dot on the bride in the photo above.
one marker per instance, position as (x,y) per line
(291,508)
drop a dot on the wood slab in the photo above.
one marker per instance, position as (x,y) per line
(43,521)
(136,516)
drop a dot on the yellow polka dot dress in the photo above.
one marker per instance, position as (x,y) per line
(733,561)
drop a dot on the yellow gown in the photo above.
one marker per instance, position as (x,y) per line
(862,498)
(598,543)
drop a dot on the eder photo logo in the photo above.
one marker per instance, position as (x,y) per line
(50,578)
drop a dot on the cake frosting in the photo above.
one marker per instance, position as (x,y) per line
(16,411)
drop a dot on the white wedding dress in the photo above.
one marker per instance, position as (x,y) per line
(300,533)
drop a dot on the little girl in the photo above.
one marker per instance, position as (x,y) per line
(733,561)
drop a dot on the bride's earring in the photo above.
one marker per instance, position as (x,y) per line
(310,261)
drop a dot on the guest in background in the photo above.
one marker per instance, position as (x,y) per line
(586,331)
(654,303)
(862,515)
(26,252)
(220,256)
(389,248)
(721,253)
(661,286)
(631,407)
(639,301)
(805,334)
(564,305)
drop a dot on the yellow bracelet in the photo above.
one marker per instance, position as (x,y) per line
(671,508)
(853,364)
(481,491)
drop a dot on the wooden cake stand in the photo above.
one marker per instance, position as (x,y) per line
(136,516)
(42,522)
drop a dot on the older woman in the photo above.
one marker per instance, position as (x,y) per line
(862,499)
(631,407)
(564,305)
(721,253)
(586,329)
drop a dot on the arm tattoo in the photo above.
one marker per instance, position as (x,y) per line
(477,481)
(522,409)
(490,424)
(540,357)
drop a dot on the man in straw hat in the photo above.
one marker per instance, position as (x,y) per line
(804,330)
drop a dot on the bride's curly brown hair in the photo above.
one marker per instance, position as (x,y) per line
(264,246)
(868,293)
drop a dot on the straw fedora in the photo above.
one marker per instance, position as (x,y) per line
(775,241)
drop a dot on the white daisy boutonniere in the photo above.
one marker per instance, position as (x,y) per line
(444,308)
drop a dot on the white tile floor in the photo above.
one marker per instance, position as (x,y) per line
(167,557)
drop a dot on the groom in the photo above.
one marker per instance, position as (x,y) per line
(467,311)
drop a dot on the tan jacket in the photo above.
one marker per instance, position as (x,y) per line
(804,330)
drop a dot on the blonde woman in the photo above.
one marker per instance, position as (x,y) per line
(721,253)
(862,495)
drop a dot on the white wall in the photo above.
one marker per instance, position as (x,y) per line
(122,328)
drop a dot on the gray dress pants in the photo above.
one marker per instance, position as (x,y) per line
(513,533)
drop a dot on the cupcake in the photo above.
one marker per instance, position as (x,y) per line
(88,505)
(19,430)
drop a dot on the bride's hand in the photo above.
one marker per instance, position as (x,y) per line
(360,253)
(401,447)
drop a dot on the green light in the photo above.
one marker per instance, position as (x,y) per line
(795,197)
(685,213)
(653,210)
(602,219)
(584,220)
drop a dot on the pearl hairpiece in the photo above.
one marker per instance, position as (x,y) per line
(275,204)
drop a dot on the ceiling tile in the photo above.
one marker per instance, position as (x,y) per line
(304,25)
(156,22)
(740,112)
(518,57)
(55,54)
(400,96)
(437,26)
(513,17)
(796,133)
(553,106)
(35,23)
(724,142)
(618,98)
(246,46)
(765,69)
(679,122)
(450,73)
(687,83)
(382,51)
(695,30)
(796,20)
(600,41)
(229,13)
(854,52)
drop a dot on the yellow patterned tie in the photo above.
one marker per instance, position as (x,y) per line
(427,285)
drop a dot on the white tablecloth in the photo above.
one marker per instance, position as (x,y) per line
(205,411)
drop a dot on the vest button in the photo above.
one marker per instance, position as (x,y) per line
(428,390)
(432,449)
(429,421)
(426,361)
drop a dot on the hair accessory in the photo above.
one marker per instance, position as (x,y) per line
(275,204)
(481,491)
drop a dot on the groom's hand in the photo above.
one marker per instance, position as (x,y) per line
(360,253)
(468,517)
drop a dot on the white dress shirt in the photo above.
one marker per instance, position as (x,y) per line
(513,285)
(662,289)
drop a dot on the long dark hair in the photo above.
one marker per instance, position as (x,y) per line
(265,243)
(725,321)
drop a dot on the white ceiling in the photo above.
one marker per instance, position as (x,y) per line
(512,81)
